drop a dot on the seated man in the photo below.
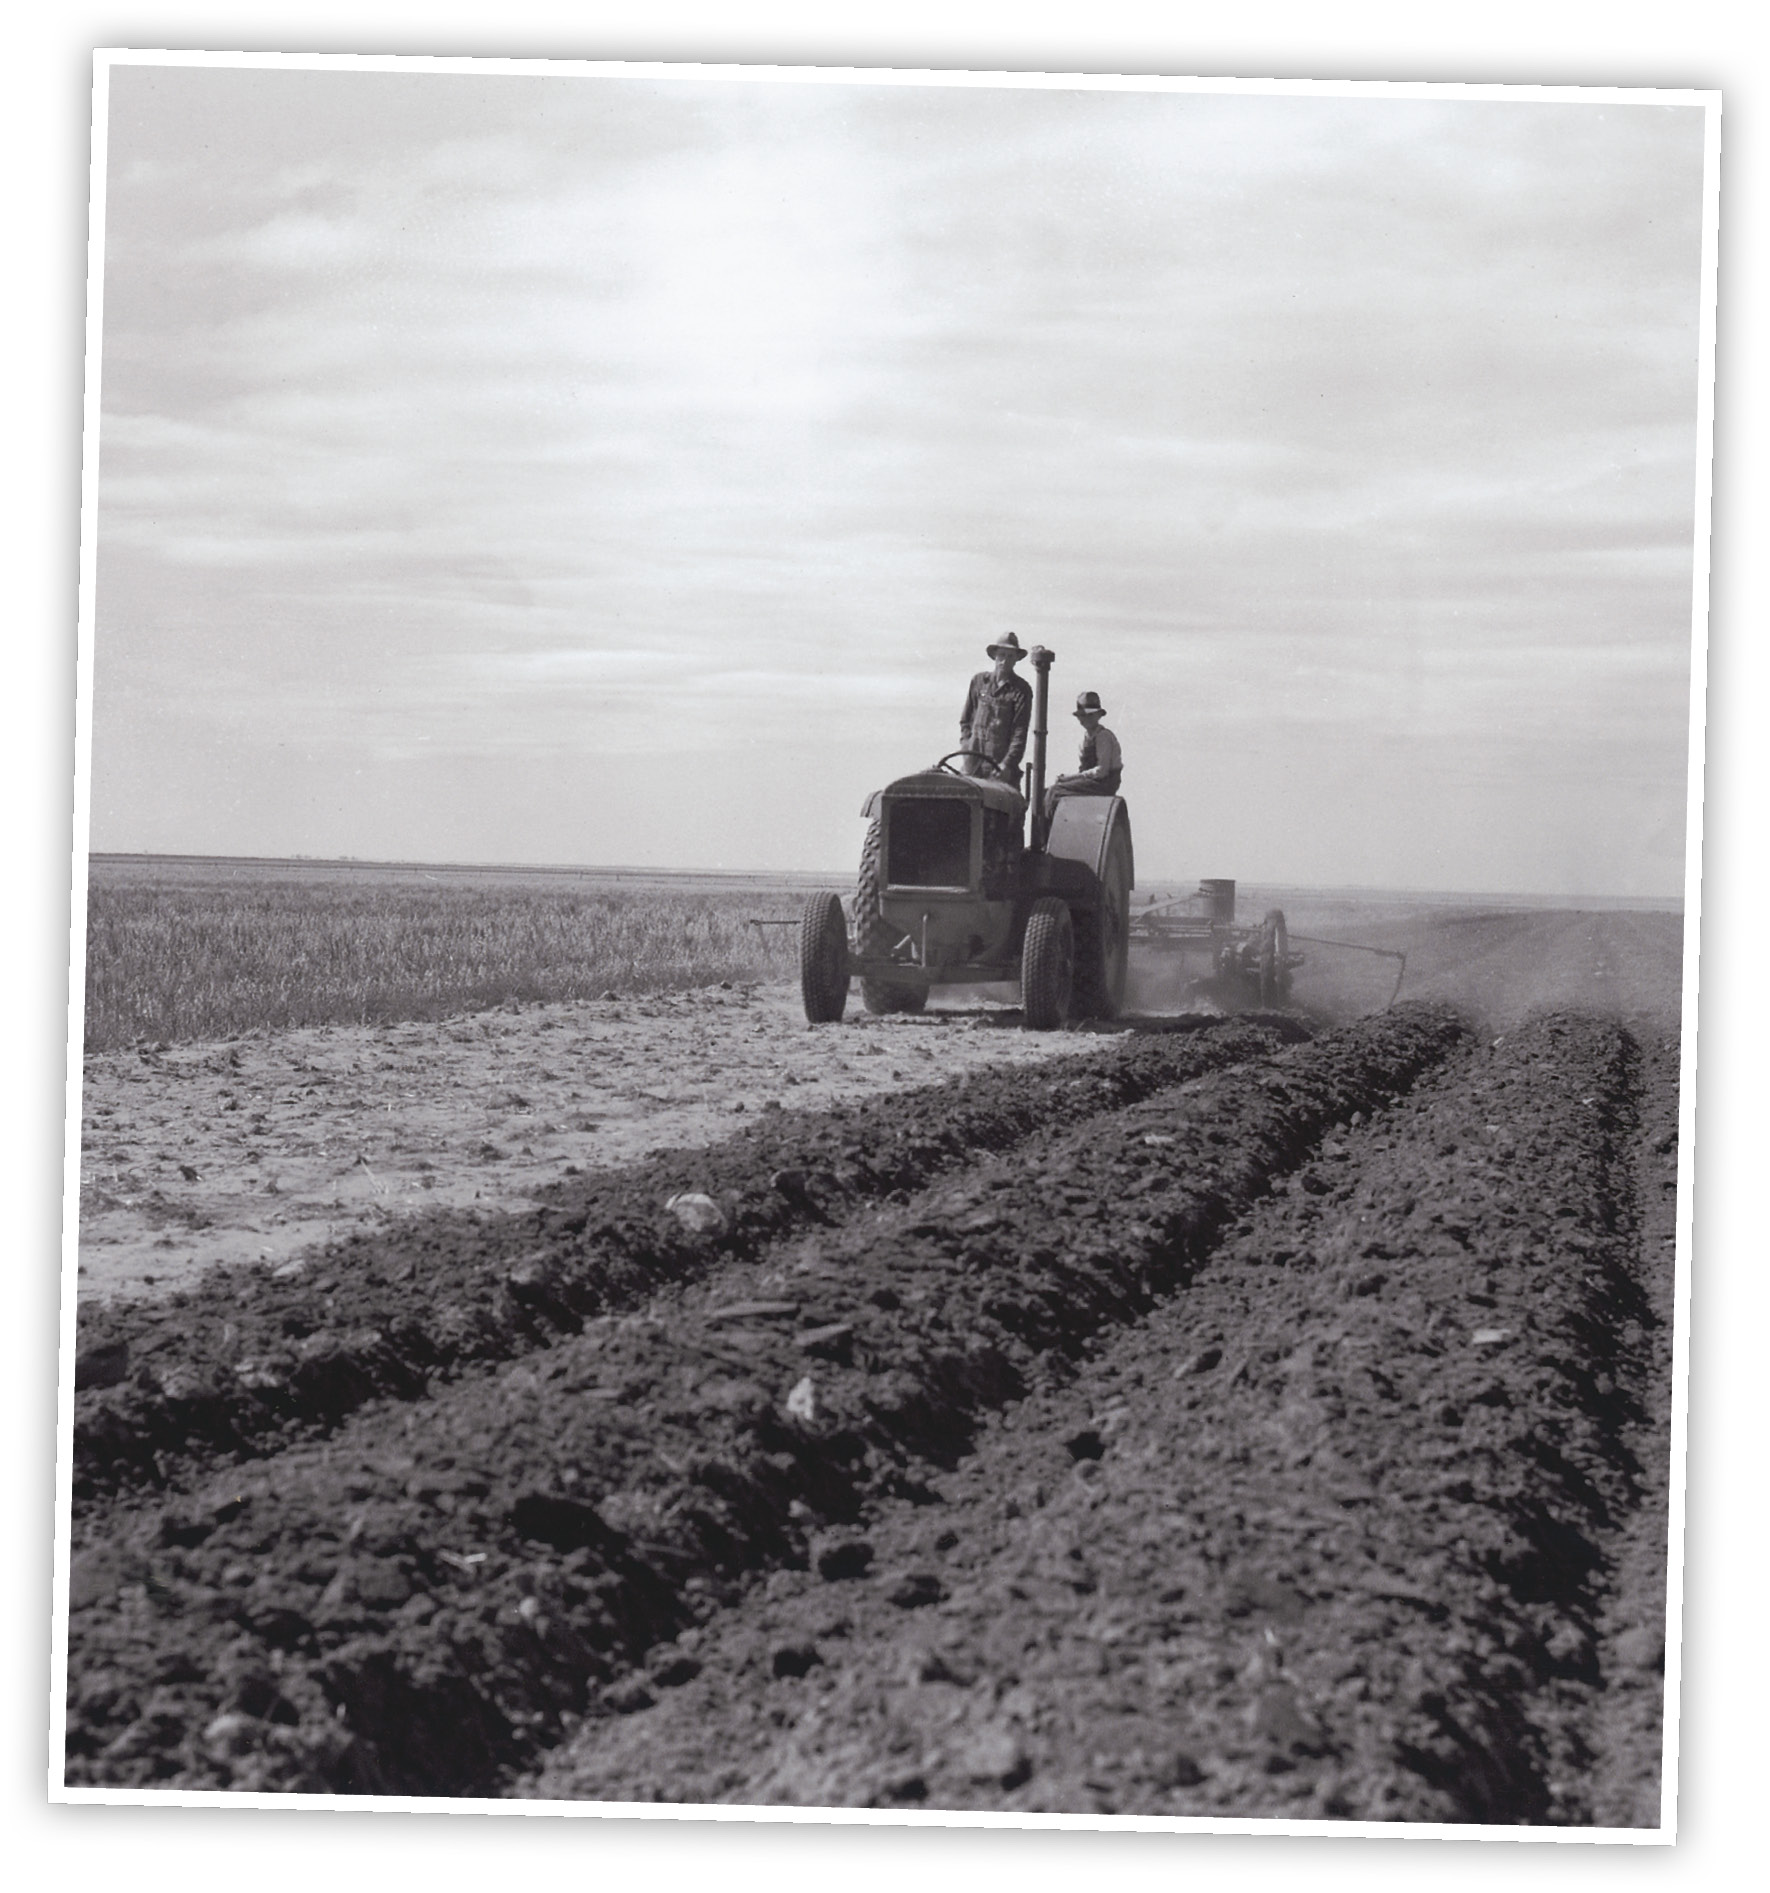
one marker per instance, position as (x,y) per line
(1102,760)
(997,713)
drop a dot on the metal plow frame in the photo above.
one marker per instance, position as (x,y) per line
(1205,922)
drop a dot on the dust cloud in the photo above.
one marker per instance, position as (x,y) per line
(1496,965)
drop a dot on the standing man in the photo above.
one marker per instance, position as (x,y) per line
(998,713)
(1102,761)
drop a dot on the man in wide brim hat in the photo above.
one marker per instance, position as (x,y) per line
(1102,761)
(998,712)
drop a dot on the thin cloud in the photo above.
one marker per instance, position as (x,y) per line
(481,417)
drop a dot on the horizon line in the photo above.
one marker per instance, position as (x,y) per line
(1669,900)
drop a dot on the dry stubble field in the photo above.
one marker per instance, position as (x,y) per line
(1253,1416)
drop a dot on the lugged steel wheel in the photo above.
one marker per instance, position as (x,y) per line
(1047,966)
(874,936)
(823,960)
(1275,959)
(1103,938)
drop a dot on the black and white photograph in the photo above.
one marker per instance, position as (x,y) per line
(885,989)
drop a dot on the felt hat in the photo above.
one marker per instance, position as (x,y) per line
(1089,700)
(1009,647)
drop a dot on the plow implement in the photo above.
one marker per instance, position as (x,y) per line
(1243,964)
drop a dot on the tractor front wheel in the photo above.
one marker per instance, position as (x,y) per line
(1047,966)
(823,960)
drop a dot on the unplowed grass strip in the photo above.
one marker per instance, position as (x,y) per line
(430,1599)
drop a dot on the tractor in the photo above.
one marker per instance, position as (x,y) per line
(956,889)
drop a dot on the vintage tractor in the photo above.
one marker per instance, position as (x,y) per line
(954,891)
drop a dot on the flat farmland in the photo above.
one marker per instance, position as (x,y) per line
(187,948)
(652,1397)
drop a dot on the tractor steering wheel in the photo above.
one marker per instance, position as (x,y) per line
(990,766)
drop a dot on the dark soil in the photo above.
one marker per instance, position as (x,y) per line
(1366,1524)
(1218,1426)
(438,1586)
(255,1358)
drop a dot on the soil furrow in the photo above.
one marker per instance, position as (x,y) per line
(1625,1719)
(429,1599)
(1334,1534)
(251,1359)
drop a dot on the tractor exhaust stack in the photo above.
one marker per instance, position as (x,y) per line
(1042,662)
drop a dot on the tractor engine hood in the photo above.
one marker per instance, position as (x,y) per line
(937,784)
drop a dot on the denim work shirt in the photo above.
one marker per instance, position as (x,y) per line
(996,718)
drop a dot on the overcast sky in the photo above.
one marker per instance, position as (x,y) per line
(625,471)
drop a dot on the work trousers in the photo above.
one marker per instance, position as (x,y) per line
(1105,785)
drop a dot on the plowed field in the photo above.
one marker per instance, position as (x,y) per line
(1257,1416)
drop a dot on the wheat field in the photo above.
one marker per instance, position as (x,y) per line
(193,949)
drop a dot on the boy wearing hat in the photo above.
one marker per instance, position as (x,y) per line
(998,712)
(1102,761)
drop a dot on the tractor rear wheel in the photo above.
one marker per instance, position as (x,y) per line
(1047,966)
(874,935)
(1275,959)
(1103,938)
(823,960)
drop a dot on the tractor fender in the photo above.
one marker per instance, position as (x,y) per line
(870,807)
(1082,830)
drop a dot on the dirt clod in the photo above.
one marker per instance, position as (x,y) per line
(1357,1402)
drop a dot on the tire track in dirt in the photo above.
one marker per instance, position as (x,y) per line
(1361,1526)
(251,1359)
(431,1598)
